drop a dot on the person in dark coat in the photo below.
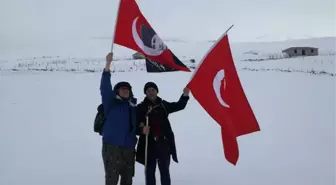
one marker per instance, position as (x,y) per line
(161,140)
(119,131)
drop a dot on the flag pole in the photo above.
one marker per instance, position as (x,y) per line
(146,150)
(115,26)
(199,64)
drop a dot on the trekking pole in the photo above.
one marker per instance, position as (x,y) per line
(146,150)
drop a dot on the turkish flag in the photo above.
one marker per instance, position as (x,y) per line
(216,86)
(134,32)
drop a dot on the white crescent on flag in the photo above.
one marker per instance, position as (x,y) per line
(147,50)
(217,82)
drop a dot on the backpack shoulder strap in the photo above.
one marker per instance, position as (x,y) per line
(164,107)
(109,109)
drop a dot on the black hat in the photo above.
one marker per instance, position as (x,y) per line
(150,84)
(122,84)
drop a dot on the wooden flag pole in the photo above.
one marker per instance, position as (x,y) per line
(146,150)
(115,26)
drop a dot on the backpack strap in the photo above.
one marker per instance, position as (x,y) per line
(108,109)
(132,104)
(164,107)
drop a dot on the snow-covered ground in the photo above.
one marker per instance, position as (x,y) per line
(261,56)
(46,120)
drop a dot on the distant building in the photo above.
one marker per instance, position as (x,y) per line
(301,51)
(137,56)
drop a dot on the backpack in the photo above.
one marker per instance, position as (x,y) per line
(100,119)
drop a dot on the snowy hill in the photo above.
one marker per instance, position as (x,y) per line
(257,56)
(49,99)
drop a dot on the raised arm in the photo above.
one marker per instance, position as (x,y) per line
(105,84)
(172,107)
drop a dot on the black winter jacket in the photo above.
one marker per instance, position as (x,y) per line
(162,109)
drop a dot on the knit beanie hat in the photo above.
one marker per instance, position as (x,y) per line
(150,84)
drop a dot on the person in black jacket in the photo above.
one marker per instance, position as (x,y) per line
(161,140)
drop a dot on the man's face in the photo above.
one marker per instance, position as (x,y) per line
(157,43)
(124,92)
(151,93)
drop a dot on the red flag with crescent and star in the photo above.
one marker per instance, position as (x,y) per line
(134,32)
(216,86)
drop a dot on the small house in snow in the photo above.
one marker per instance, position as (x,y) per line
(301,51)
(137,56)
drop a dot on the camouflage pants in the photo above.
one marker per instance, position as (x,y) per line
(118,162)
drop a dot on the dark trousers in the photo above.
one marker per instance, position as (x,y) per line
(158,154)
(118,162)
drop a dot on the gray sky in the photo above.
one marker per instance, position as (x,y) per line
(34,23)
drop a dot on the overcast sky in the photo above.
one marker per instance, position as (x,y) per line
(41,21)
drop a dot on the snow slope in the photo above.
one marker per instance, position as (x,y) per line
(46,119)
(260,56)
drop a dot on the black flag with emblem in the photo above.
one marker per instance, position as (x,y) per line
(155,67)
